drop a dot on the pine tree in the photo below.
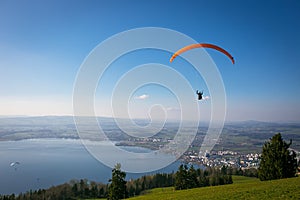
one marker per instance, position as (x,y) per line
(181,178)
(192,178)
(75,190)
(117,188)
(277,161)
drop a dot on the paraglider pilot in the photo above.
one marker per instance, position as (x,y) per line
(199,95)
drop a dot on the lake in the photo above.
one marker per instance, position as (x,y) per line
(48,162)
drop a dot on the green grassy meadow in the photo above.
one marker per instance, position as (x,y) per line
(242,188)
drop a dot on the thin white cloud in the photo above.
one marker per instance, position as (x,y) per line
(142,97)
(173,109)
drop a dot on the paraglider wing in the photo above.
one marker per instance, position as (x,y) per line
(14,164)
(201,45)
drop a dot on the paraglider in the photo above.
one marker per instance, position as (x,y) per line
(14,164)
(199,95)
(201,45)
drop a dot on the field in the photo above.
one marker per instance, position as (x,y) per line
(243,188)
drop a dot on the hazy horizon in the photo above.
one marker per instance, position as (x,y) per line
(147,119)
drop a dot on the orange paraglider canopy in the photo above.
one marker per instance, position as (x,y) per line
(192,46)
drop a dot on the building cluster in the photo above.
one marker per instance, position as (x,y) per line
(223,158)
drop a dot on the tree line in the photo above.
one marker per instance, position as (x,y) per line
(118,188)
(75,189)
(185,178)
(189,177)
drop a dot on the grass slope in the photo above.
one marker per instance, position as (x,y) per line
(243,188)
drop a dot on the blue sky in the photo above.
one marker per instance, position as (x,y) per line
(43,43)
